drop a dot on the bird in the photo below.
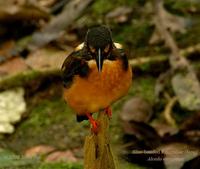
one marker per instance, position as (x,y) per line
(95,75)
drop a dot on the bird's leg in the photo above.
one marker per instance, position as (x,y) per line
(93,122)
(108,111)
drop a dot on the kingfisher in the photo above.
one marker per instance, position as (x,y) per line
(95,75)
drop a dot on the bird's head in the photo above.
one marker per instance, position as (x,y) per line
(99,44)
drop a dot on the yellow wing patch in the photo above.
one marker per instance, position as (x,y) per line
(118,45)
(79,47)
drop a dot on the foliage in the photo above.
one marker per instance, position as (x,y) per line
(60,165)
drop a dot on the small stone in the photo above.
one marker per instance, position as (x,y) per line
(137,109)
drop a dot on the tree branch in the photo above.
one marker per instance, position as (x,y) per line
(58,24)
(160,58)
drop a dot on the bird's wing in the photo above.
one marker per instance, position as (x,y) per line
(124,58)
(74,64)
(119,53)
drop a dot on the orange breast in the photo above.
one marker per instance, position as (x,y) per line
(98,90)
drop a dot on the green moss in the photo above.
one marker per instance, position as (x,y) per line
(104,6)
(49,122)
(52,122)
(134,36)
(60,165)
(192,36)
(10,160)
(126,165)
(182,7)
(101,7)
(45,113)
(142,86)
(17,80)
(22,43)
(24,78)
(145,67)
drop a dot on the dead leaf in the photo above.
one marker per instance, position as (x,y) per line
(186,87)
(38,150)
(6,50)
(137,109)
(45,3)
(47,59)
(163,128)
(177,153)
(13,67)
(146,137)
(61,156)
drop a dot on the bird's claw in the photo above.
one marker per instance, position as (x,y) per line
(94,123)
(108,111)
(95,127)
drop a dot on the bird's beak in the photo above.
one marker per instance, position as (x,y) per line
(99,60)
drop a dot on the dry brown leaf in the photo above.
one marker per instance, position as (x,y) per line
(137,109)
(120,14)
(187,89)
(177,154)
(22,12)
(61,156)
(13,67)
(38,150)
(47,59)
(6,50)
(163,128)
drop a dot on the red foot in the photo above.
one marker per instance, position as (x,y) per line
(108,111)
(94,123)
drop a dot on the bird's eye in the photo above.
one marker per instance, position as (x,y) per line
(92,49)
(106,49)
